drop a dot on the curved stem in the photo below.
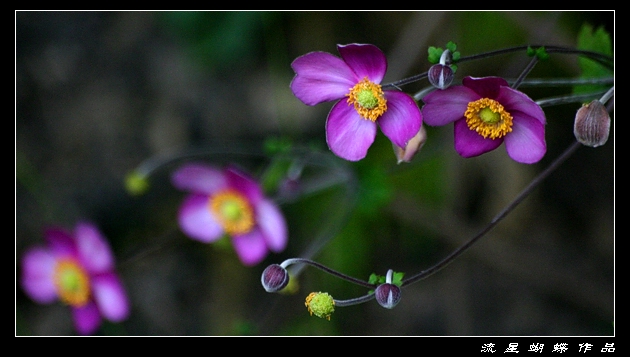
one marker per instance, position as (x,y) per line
(355,301)
(322,267)
(521,196)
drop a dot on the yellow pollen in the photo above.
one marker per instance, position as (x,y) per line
(72,282)
(233,211)
(488,118)
(368,99)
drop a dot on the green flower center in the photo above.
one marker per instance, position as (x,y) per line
(488,118)
(368,99)
(72,282)
(233,211)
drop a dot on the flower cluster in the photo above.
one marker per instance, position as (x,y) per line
(228,202)
(485,111)
(77,269)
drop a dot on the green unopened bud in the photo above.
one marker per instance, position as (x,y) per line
(320,304)
(136,183)
(592,124)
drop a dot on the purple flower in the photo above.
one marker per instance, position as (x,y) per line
(487,112)
(77,269)
(229,202)
(351,123)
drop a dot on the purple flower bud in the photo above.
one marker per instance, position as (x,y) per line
(592,124)
(274,278)
(440,76)
(387,295)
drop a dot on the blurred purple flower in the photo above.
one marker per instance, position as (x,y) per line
(487,112)
(77,269)
(351,123)
(229,202)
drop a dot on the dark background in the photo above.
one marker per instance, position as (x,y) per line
(99,93)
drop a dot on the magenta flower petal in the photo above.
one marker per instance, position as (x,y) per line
(526,143)
(446,106)
(321,77)
(365,60)
(486,87)
(349,135)
(250,248)
(38,266)
(86,318)
(196,220)
(199,178)
(110,297)
(60,242)
(518,102)
(469,144)
(272,225)
(93,249)
(402,120)
(247,186)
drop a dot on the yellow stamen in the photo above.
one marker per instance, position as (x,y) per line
(72,282)
(488,118)
(368,99)
(233,211)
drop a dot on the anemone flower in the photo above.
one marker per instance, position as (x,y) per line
(77,269)
(486,112)
(228,202)
(355,77)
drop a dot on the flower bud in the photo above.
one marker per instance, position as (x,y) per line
(413,146)
(320,304)
(440,76)
(274,278)
(592,124)
(387,295)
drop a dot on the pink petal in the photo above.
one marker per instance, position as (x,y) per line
(94,251)
(60,242)
(196,220)
(446,106)
(241,182)
(365,60)
(485,87)
(469,144)
(402,120)
(86,318)
(526,143)
(199,178)
(349,135)
(515,101)
(110,297)
(38,265)
(321,77)
(272,224)
(250,248)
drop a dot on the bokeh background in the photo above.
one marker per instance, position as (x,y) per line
(100,93)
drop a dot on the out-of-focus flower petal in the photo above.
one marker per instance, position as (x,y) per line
(60,242)
(196,220)
(469,144)
(94,252)
(526,142)
(86,318)
(199,178)
(349,135)
(110,296)
(515,102)
(272,224)
(321,77)
(38,266)
(446,106)
(402,120)
(247,186)
(250,248)
(365,60)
